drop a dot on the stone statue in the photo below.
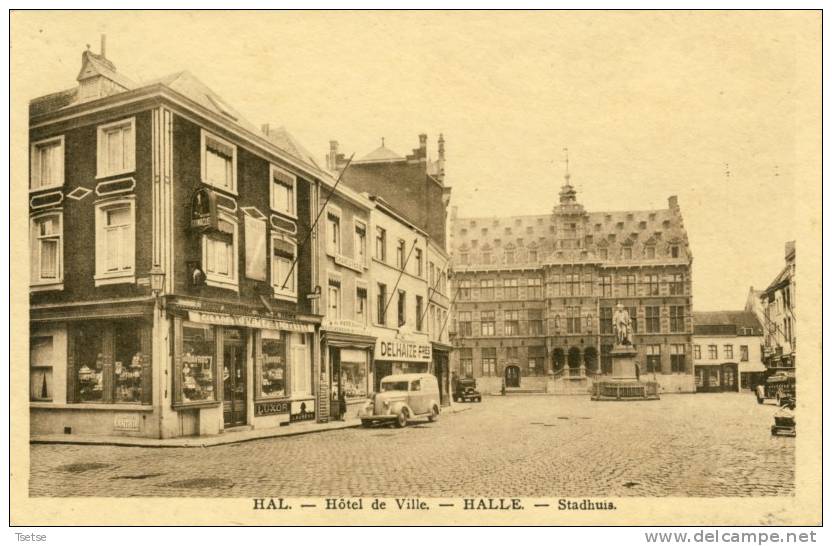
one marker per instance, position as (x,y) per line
(622,325)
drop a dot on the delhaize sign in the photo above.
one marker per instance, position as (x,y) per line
(402,350)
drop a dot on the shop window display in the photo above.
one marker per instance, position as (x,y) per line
(198,348)
(127,365)
(109,363)
(273,367)
(90,368)
(354,374)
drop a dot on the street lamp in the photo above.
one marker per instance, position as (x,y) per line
(157,283)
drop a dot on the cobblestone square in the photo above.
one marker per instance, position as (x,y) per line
(525,446)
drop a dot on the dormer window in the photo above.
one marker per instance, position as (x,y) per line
(642,225)
(619,225)
(666,224)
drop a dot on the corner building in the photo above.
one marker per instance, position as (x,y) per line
(535,296)
(169,290)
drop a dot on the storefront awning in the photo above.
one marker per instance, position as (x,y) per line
(246,321)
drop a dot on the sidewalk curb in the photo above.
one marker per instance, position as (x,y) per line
(158,443)
(196,442)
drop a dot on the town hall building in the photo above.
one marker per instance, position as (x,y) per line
(535,296)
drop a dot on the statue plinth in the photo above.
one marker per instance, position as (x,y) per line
(624,383)
(623,363)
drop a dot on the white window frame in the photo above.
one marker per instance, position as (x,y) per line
(340,288)
(34,164)
(126,275)
(294,204)
(337,250)
(289,293)
(359,284)
(101,163)
(362,259)
(231,281)
(36,281)
(204,137)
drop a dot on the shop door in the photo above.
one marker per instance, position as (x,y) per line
(729,377)
(234,379)
(512,376)
(335,382)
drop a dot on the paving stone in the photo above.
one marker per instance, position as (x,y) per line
(681,445)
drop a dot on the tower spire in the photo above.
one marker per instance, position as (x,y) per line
(566,175)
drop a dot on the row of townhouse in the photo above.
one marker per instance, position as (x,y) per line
(192,273)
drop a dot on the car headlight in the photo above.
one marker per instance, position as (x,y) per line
(386,403)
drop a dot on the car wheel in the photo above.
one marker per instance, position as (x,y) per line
(434,414)
(401,419)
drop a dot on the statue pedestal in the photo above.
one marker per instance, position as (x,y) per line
(624,363)
(624,384)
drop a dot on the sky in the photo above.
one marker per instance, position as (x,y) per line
(706,106)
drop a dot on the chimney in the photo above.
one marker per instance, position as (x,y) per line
(423,146)
(104,45)
(332,158)
(673,202)
(440,159)
(265,128)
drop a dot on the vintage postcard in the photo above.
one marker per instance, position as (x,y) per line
(432,268)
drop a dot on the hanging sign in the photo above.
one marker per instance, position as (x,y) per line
(203,209)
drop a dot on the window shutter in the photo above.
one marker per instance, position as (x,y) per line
(177,360)
(107,350)
(258,362)
(71,365)
(146,348)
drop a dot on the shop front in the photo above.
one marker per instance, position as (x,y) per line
(91,370)
(717,378)
(395,354)
(442,370)
(347,349)
(232,371)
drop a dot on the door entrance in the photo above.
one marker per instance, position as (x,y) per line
(512,376)
(234,378)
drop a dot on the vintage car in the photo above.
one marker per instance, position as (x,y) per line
(465,390)
(403,397)
(784,422)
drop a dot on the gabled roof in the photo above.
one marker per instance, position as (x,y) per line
(382,153)
(93,65)
(725,322)
(779,281)
(284,140)
(185,84)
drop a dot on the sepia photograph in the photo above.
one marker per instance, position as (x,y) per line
(415,267)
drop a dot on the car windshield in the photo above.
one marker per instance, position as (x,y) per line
(394,386)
